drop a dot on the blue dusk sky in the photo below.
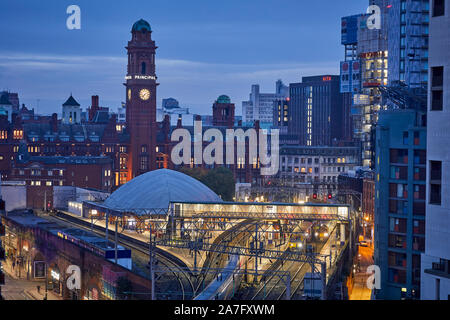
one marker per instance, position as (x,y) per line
(206,48)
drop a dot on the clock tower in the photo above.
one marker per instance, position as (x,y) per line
(141,100)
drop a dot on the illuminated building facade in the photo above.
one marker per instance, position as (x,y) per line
(372,51)
(316,110)
(316,167)
(281,115)
(141,100)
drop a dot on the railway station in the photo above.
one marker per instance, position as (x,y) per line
(190,222)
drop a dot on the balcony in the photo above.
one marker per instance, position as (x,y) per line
(440,269)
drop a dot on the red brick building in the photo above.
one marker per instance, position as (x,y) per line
(368,205)
(42,173)
(141,100)
(44,249)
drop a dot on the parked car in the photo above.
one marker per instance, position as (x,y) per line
(363,243)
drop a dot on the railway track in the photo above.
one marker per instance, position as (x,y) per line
(214,259)
(270,289)
(178,271)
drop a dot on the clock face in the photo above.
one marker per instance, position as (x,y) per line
(129,94)
(144,94)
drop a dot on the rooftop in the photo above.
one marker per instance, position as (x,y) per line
(223,99)
(157,189)
(71,102)
(141,25)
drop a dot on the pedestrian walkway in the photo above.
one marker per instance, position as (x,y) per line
(19,288)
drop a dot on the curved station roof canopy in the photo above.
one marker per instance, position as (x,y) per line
(156,189)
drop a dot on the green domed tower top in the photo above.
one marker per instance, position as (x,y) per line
(223,99)
(141,25)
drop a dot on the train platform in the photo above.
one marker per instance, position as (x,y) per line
(182,254)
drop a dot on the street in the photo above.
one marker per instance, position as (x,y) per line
(360,290)
(16,289)
(22,289)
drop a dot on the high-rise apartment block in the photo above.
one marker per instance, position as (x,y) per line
(435,281)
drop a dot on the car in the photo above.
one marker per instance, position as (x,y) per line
(363,243)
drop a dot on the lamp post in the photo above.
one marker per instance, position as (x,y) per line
(46,282)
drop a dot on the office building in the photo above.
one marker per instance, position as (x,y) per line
(281,115)
(316,110)
(260,105)
(350,72)
(372,51)
(435,282)
(408,42)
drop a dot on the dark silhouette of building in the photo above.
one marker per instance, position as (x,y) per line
(223,112)
(316,109)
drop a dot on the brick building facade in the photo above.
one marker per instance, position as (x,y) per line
(41,252)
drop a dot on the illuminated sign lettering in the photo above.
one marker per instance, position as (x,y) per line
(55,275)
(140,77)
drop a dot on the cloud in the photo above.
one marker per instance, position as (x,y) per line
(52,62)
(194,82)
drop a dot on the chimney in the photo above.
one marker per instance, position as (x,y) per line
(54,122)
(257,127)
(14,118)
(198,117)
(95,101)
(94,108)
(179,123)
(166,127)
(113,119)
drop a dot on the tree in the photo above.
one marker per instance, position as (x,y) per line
(220,180)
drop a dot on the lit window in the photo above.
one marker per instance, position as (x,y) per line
(18,134)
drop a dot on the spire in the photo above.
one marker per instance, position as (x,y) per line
(71,102)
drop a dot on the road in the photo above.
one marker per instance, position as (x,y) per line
(360,290)
(17,289)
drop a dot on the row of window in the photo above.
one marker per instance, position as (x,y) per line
(400,156)
(399,225)
(397,241)
(316,160)
(437,93)
(39,183)
(36,172)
